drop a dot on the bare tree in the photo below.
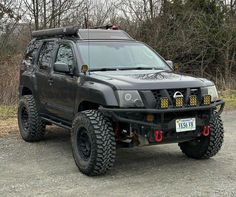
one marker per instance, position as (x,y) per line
(50,13)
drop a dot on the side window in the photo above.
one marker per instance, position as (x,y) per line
(32,50)
(45,55)
(65,55)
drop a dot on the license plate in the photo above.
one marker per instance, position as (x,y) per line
(187,124)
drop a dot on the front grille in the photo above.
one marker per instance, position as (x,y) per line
(172,92)
(169,93)
(157,94)
(195,92)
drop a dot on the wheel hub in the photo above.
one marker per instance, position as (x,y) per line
(25,118)
(83,144)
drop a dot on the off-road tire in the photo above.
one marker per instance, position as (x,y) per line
(35,129)
(102,142)
(206,147)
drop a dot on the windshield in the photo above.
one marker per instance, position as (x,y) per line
(119,55)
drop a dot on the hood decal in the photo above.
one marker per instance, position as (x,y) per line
(156,76)
(147,80)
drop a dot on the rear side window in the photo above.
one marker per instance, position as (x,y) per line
(32,50)
(45,55)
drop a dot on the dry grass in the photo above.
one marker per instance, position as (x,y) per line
(8,120)
(229,97)
(9,79)
(8,126)
(7,112)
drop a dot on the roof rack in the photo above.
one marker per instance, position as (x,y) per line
(108,32)
(63,31)
(101,34)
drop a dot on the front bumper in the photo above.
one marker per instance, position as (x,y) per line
(117,114)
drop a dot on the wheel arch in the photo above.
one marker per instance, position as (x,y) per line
(87,105)
(26,91)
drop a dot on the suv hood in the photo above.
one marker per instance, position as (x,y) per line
(147,79)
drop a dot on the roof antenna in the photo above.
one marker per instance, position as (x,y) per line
(87,24)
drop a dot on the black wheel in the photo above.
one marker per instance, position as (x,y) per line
(205,147)
(93,143)
(32,128)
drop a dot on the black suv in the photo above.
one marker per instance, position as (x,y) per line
(112,91)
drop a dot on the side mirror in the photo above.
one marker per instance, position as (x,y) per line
(62,67)
(170,63)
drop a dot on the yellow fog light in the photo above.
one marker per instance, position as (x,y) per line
(207,99)
(193,100)
(150,118)
(179,102)
(164,102)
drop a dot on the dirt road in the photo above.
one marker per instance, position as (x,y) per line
(47,169)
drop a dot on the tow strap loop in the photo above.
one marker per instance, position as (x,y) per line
(158,135)
(206,131)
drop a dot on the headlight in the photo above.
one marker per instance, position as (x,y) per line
(210,90)
(130,98)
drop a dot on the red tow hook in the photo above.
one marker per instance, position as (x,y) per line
(206,131)
(158,135)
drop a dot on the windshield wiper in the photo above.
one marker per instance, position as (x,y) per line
(125,68)
(138,68)
(102,69)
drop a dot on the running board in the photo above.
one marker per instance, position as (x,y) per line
(56,123)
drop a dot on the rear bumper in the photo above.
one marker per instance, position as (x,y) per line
(117,114)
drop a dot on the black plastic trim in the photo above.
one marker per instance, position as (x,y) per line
(114,112)
(159,111)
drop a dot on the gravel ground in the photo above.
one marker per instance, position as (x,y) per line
(48,169)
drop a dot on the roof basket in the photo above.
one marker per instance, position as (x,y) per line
(63,31)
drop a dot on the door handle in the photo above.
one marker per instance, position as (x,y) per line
(50,81)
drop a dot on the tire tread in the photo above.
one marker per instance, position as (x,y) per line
(215,141)
(37,126)
(105,141)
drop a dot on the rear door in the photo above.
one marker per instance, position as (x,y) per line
(44,66)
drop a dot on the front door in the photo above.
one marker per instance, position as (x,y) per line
(64,85)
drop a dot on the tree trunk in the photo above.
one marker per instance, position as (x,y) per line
(44,14)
